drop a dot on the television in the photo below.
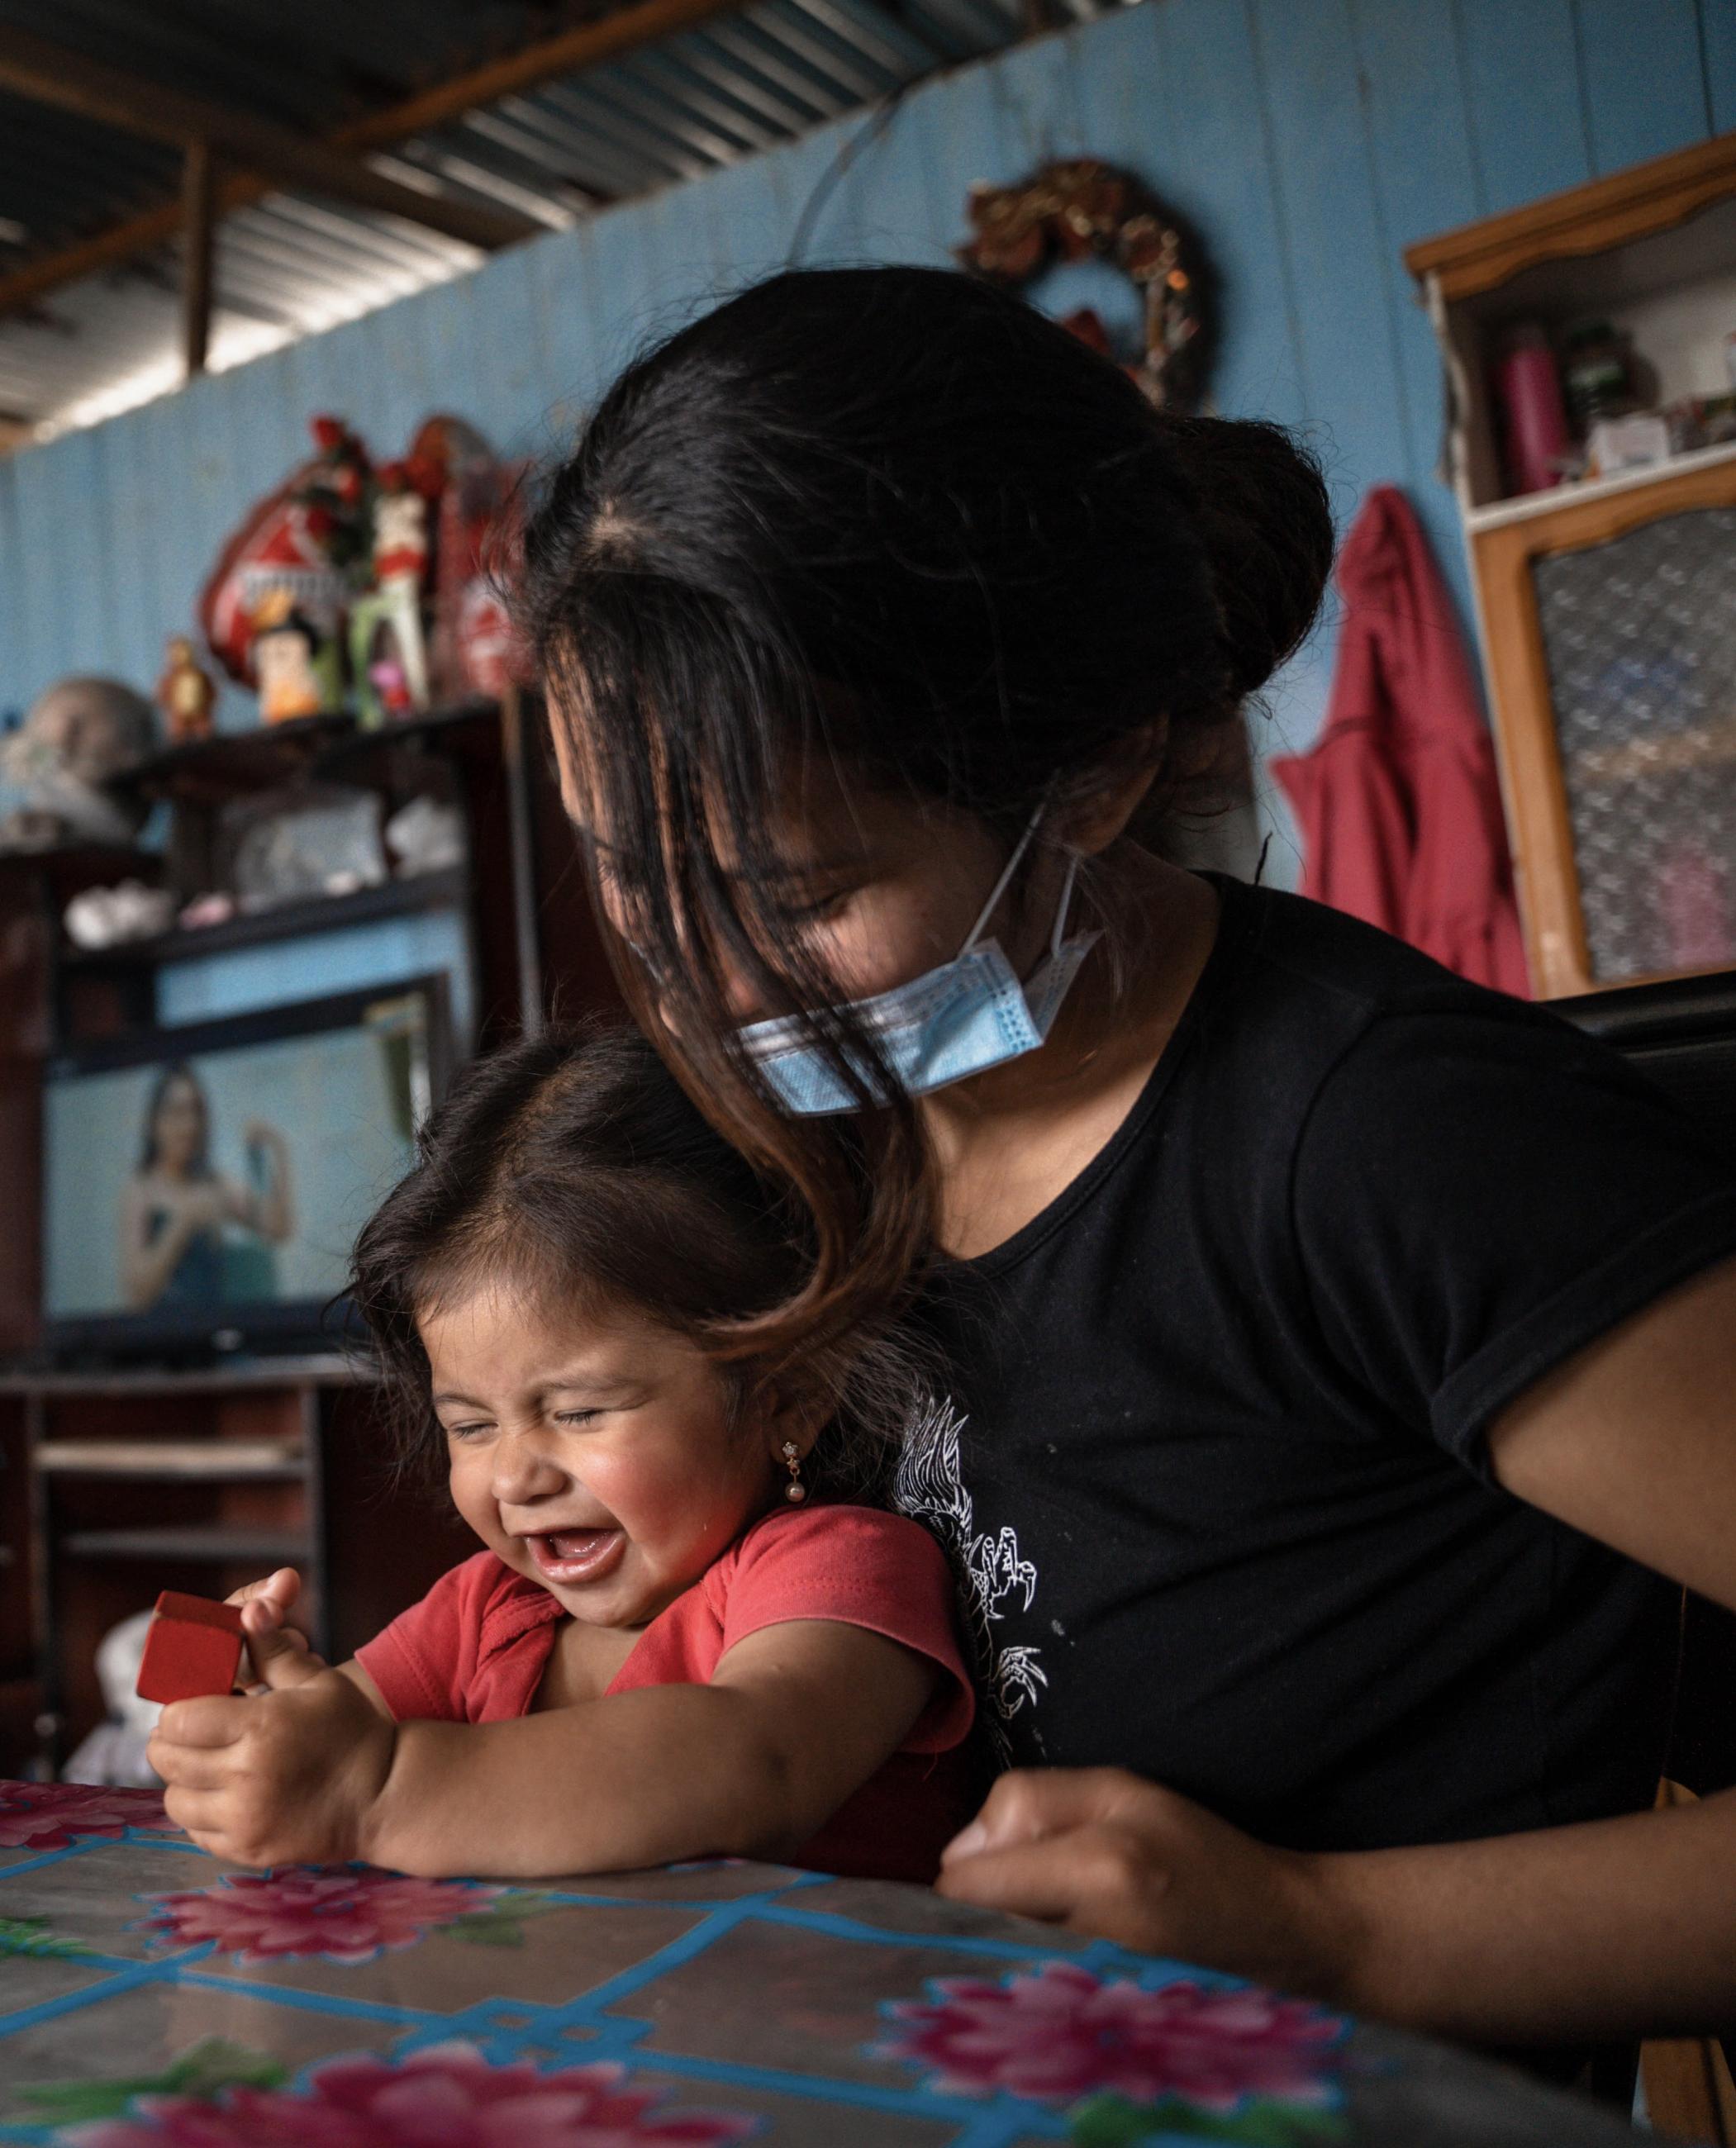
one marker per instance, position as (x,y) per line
(203,1184)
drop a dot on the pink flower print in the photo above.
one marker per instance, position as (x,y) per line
(345,1913)
(1061,2034)
(448,2095)
(54,1816)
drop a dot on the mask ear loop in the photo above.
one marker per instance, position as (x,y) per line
(1059,933)
(1001,885)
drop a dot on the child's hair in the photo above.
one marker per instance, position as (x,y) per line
(896,522)
(570,1166)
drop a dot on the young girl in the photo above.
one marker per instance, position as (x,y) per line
(681,1638)
(1335,1355)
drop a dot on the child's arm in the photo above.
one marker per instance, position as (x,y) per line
(795,1718)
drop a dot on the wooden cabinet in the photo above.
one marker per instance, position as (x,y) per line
(1608,606)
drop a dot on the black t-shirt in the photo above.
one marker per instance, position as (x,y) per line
(1213,1463)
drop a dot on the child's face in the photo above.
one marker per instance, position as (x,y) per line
(594,1455)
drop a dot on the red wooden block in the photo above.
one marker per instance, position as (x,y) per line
(194,1647)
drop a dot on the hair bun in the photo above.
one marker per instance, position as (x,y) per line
(1260,504)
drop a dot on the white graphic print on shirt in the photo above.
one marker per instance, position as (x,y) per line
(988,1569)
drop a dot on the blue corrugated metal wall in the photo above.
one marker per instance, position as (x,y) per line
(1308,140)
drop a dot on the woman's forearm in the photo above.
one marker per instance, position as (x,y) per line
(1615,1927)
(643,1778)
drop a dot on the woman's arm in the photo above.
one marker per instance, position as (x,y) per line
(796,1717)
(1625,1926)
(272,1214)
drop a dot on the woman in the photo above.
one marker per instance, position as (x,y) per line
(1338,1355)
(176,1205)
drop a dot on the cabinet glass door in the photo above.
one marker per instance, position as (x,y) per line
(1639,635)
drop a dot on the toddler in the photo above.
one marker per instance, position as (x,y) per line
(683,1636)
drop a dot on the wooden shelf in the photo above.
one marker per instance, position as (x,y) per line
(84,861)
(214,1546)
(1526,506)
(235,1375)
(1586,219)
(233,764)
(437,727)
(197,1460)
(448,889)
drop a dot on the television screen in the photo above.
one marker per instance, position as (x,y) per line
(203,1185)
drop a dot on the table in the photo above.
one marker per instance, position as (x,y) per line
(153,1997)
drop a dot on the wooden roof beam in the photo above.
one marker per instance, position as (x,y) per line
(47,74)
(570,53)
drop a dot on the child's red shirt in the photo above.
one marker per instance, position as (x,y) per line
(475,1648)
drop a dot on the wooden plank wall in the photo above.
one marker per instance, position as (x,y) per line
(1308,140)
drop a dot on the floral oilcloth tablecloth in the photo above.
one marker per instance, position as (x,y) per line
(152,1997)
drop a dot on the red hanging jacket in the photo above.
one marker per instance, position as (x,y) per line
(1398,801)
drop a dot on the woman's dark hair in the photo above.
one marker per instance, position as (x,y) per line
(897,520)
(571,1165)
(176,1070)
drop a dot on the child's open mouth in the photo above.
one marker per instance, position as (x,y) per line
(574,1555)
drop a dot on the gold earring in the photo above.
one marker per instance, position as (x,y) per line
(795,1491)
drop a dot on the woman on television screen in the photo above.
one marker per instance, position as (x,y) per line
(177,1205)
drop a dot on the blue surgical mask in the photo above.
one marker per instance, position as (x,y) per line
(967,1015)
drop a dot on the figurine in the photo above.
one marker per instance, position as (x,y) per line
(293,662)
(400,530)
(306,539)
(387,654)
(185,694)
(115,1750)
(75,742)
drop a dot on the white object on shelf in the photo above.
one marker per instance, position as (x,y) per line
(1638,442)
(426,836)
(106,916)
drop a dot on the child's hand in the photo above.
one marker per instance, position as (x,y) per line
(265,1607)
(288,1777)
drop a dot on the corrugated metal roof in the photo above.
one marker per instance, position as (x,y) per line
(292,265)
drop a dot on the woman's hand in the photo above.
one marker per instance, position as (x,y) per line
(288,1776)
(1103,1851)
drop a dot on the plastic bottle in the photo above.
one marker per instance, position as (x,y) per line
(1537,438)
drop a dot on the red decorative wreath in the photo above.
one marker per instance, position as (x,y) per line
(1082,209)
